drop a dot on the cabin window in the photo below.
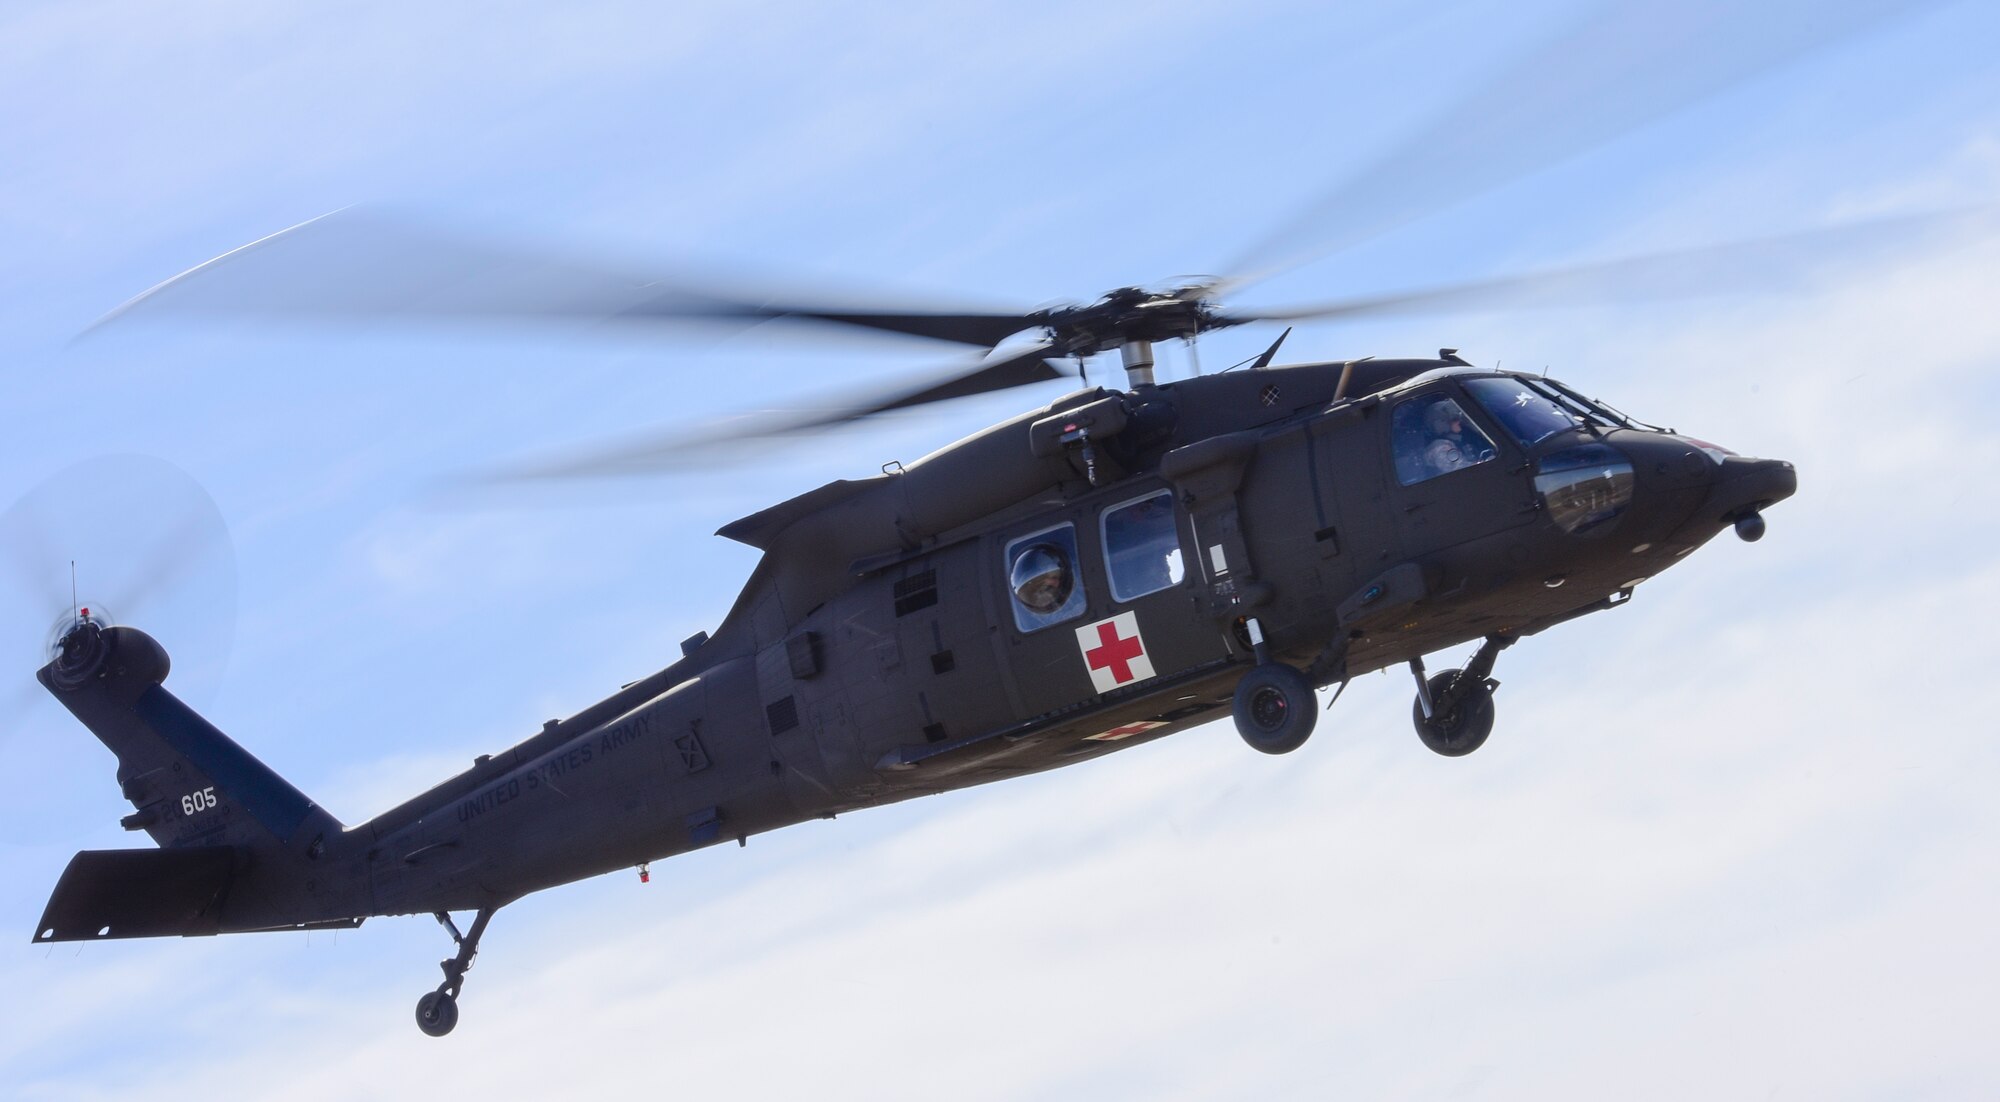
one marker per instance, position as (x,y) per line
(1142,546)
(1042,578)
(1433,436)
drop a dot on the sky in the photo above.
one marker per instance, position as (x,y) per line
(1732,840)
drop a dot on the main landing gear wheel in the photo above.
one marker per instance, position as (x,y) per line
(1461,715)
(1454,710)
(437,1012)
(1274,708)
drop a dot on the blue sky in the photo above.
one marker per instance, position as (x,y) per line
(1732,839)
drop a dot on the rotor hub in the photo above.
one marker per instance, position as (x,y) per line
(1130,315)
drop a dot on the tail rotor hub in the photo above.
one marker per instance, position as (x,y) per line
(78,648)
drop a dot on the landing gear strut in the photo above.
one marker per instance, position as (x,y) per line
(437,1012)
(1453,712)
(1274,704)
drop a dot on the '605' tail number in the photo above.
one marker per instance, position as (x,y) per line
(195,802)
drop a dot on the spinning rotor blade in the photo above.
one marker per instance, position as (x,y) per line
(145,539)
(356,264)
(984,330)
(739,438)
(1622,67)
(1770,264)
(151,550)
(353,263)
(1020,369)
(1625,66)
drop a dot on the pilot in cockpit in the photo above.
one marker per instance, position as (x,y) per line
(1451,443)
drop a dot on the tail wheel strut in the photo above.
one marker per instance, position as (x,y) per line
(437,1011)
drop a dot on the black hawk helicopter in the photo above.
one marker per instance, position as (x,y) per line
(1119,565)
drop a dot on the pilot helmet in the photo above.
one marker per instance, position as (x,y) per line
(1041,578)
(1444,418)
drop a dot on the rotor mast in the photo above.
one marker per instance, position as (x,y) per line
(1137,356)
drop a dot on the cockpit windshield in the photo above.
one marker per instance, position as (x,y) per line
(1535,409)
(1529,413)
(1601,409)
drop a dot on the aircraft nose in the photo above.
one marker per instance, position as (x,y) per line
(1744,488)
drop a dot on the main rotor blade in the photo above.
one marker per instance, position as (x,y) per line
(983,330)
(1626,65)
(353,263)
(1020,369)
(740,436)
(1761,265)
(361,264)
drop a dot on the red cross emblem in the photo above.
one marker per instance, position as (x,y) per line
(1113,652)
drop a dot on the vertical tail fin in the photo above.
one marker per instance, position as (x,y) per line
(189,784)
(240,846)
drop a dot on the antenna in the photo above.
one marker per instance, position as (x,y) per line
(74,614)
(1264,360)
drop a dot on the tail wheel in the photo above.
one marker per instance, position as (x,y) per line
(1460,721)
(437,1013)
(1274,708)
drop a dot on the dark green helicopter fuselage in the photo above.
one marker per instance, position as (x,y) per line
(882,649)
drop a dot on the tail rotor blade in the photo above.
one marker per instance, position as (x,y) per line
(29,560)
(150,544)
(190,544)
(147,541)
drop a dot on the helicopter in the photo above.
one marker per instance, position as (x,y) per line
(1111,568)
(1105,571)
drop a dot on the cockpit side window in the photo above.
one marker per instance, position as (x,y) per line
(1433,436)
(1043,583)
(1529,415)
(1142,547)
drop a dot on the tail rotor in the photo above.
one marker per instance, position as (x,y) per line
(149,546)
